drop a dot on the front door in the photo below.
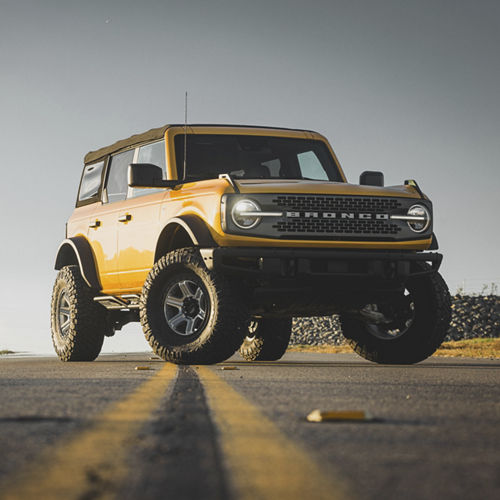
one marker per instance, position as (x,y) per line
(139,225)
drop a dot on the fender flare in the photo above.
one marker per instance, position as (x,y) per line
(195,228)
(79,249)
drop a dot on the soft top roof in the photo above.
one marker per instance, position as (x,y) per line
(157,134)
(150,135)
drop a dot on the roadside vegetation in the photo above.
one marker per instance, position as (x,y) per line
(472,348)
(6,351)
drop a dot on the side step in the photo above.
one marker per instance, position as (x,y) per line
(113,302)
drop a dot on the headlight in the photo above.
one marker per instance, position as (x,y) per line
(245,214)
(422,218)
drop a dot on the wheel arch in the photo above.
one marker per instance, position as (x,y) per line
(77,251)
(183,231)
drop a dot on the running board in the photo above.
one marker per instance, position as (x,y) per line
(128,301)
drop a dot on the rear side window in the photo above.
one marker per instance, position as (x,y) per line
(117,184)
(91,182)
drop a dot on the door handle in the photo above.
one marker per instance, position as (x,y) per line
(95,224)
(124,218)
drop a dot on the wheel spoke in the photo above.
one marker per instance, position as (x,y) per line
(174,302)
(201,314)
(65,326)
(189,326)
(186,292)
(177,320)
(64,314)
(199,294)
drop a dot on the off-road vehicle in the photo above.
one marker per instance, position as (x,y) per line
(215,236)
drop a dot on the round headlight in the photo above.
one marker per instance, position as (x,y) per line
(424,218)
(244,214)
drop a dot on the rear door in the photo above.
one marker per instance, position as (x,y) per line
(102,234)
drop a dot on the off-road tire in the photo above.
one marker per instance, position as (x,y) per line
(86,321)
(219,337)
(432,313)
(266,339)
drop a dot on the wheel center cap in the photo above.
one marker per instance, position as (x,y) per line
(190,307)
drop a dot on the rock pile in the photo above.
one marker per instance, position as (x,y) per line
(473,316)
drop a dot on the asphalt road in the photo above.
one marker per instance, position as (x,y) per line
(104,429)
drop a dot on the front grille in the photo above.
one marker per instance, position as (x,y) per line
(318,225)
(329,226)
(336,203)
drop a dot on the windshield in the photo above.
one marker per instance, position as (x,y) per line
(254,157)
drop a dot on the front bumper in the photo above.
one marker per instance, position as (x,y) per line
(304,263)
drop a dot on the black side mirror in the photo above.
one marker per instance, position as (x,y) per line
(371,178)
(146,175)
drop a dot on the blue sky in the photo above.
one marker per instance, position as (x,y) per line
(407,87)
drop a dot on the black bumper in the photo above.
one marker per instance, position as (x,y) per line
(303,263)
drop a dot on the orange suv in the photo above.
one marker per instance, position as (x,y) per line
(215,236)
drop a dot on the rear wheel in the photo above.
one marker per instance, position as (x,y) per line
(190,314)
(78,323)
(266,339)
(406,331)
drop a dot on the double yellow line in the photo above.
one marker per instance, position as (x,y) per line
(262,463)
(95,458)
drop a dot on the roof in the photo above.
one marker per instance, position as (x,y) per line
(150,135)
(157,134)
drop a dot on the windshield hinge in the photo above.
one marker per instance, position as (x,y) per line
(231,181)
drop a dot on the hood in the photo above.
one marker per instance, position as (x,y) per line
(301,186)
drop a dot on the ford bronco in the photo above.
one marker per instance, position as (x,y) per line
(215,236)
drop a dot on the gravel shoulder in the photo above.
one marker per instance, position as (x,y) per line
(472,348)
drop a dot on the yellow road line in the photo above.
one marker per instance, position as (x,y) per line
(93,463)
(263,463)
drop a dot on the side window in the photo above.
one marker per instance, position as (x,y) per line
(91,181)
(150,153)
(311,167)
(117,185)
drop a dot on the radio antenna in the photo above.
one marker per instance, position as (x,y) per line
(185,133)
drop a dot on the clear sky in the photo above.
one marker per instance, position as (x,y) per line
(409,87)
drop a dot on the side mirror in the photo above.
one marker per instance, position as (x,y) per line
(146,175)
(371,178)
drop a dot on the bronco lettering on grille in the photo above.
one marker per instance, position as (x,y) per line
(337,215)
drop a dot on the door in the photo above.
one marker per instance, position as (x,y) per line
(138,226)
(103,227)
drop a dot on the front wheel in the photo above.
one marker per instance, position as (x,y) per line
(266,339)
(406,331)
(190,314)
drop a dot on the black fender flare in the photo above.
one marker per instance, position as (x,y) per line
(434,243)
(77,250)
(195,228)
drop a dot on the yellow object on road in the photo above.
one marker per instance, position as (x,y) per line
(341,416)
